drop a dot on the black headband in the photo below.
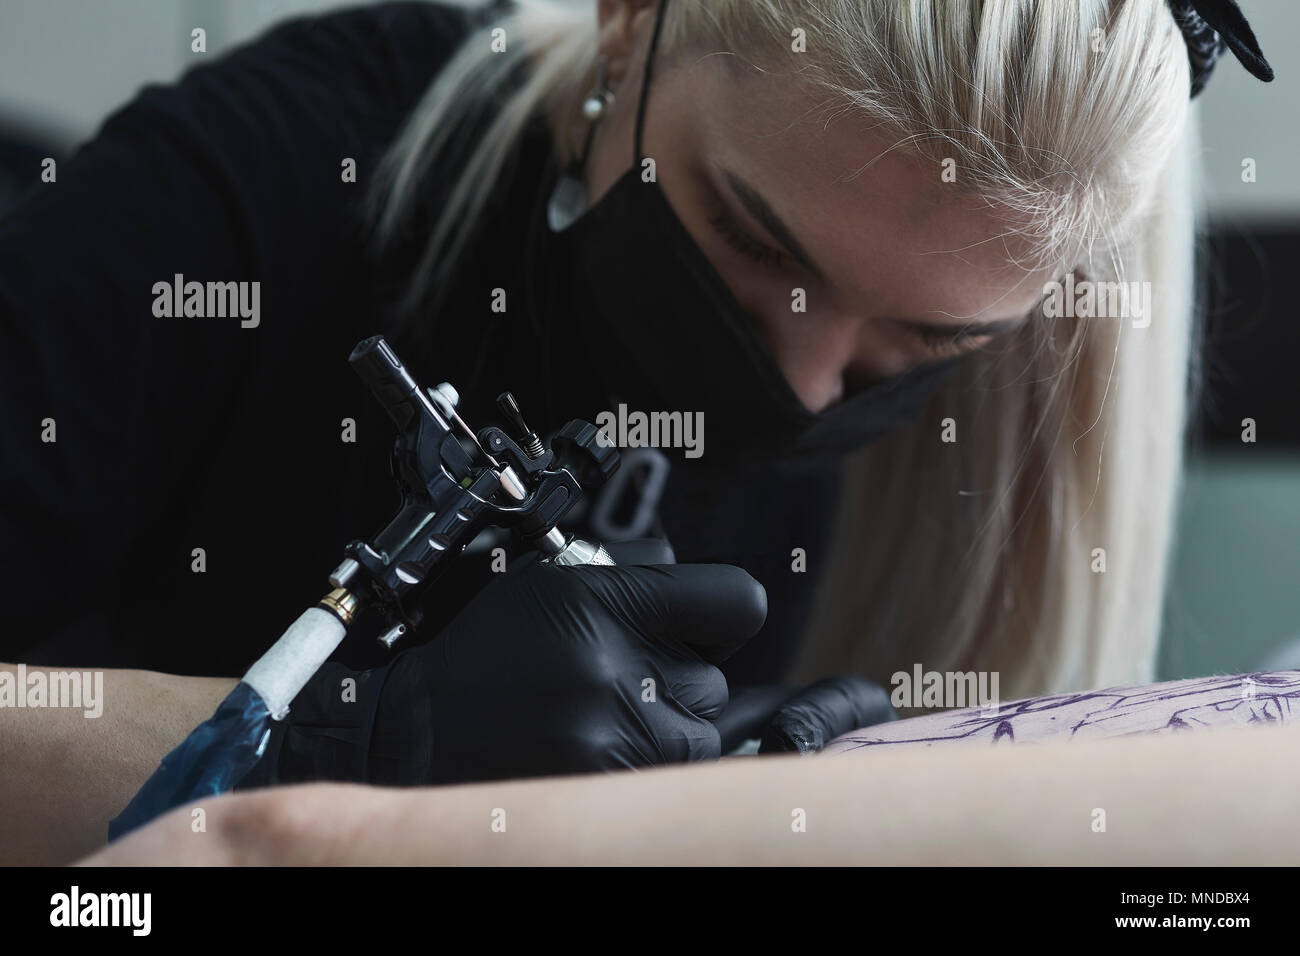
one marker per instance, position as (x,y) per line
(1210,27)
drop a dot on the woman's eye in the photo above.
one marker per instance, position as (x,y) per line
(946,342)
(736,237)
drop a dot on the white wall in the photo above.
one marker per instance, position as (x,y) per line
(64,64)
(1243,117)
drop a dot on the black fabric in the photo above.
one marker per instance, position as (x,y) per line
(184,433)
(684,342)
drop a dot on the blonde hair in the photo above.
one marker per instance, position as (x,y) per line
(979,554)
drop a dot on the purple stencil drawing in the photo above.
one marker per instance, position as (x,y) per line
(1179,705)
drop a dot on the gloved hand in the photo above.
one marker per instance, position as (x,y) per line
(548,670)
(789,720)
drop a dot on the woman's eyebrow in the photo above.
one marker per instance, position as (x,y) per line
(759,208)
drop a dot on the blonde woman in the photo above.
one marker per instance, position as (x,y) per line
(826,228)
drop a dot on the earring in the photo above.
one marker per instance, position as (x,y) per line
(569,198)
(599,100)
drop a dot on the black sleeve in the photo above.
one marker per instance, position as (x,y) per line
(232,174)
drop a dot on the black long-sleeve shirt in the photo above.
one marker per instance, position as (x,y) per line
(173,434)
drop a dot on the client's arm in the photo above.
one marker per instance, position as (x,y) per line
(66,771)
(1225,796)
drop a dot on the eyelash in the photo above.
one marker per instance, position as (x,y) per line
(937,341)
(744,243)
(748,246)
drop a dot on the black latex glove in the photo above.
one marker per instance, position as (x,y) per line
(790,720)
(543,672)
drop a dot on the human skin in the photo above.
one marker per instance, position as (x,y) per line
(66,775)
(893,245)
(1214,797)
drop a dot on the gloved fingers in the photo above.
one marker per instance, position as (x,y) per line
(824,711)
(698,687)
(700,742)
(748,712)
(661,733)
(712,608)
(715,608)
(642,551)
(652,720)
(683,737)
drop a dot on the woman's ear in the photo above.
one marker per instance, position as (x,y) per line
(623,31)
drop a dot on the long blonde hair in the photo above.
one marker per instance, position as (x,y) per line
(1035,545)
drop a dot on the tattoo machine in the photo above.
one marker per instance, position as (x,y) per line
(449,494)
(454,484)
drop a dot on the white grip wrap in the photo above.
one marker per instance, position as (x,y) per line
(285,669)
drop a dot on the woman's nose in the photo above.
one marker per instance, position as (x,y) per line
(834,391)
(843,356)
(845,376)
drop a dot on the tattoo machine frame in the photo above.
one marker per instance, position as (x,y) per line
(450,493)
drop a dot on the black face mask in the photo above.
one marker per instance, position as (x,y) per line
(667,334)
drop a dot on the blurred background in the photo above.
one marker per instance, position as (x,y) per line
(1234,599)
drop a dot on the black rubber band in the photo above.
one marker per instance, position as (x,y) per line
(645,82)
